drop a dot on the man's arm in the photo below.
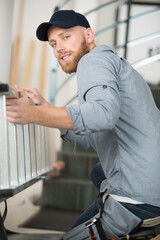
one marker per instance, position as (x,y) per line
(21,111)
(52,117)
(77,140)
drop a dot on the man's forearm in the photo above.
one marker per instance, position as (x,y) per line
(19,111)
(52,117)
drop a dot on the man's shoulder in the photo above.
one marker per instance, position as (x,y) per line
(96,52)
(100,55)
(99,50)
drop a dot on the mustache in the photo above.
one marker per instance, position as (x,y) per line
(64,53)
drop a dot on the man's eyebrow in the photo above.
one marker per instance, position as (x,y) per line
(59,35)
(51,41)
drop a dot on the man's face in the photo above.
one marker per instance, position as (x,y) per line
(69,45)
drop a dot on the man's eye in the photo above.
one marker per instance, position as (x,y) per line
(66,37)
(53,45)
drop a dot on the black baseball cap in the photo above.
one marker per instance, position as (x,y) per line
(63,19)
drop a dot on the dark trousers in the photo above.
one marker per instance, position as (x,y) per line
(143,211)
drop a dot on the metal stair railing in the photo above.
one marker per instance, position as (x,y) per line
(127,43)
(118,23)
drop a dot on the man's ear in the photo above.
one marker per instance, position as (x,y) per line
(89,35)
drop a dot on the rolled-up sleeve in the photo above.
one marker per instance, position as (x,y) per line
(100,108)
(82,141)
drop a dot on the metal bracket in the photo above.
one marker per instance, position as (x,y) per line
(5,89)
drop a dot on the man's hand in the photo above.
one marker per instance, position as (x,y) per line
(19,110)
(35,97)
(23,110)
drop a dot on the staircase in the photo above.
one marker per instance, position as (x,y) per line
(72,189)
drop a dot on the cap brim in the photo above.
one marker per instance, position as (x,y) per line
(42,30)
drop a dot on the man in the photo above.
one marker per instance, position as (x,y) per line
(115,115)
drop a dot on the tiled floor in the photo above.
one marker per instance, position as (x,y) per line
(34,236)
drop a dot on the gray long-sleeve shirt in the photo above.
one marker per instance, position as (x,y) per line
(117,116)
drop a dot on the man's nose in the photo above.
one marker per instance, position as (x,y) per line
(60,48)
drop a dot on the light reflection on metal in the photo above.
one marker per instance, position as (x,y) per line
(23,149)
(146,61)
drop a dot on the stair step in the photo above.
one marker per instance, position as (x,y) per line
(77,165)
(70,194)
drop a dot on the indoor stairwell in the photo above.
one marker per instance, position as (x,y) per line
(72,189)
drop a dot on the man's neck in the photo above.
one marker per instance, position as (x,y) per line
(93,45)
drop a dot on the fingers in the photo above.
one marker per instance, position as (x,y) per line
(28,89)
(11,119)
(22,100)
(19,114)
(11,114)
(31,90)
(20,91)
(17,88)
(11,102)
(28,94)
(33,95)
(15,120)
(25,91)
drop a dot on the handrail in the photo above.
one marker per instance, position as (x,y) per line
(139,15)
(101,6)
(146,61)
(64,82)
(135,65)
(115,25)
(127,43)
(72,99)
(143,39)
(61,4)
(139,40)
(127,26)
(130,43)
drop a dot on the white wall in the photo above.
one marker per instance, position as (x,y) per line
(6,15)
(34,13)
(25,23)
